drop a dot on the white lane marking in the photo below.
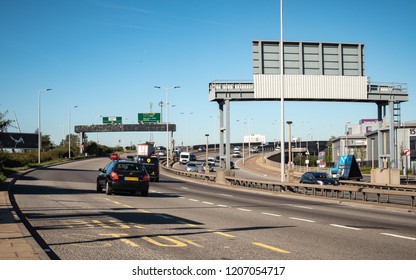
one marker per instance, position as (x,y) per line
(243,209)
(206,202)
(398,236)
(271,214)
(302,220)
(224,206)
(194,200)
(228,195)
(185,188)
(346,227)
(303,207)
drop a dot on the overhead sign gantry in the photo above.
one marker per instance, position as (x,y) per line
(312,71)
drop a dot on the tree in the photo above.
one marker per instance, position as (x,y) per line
(4,123)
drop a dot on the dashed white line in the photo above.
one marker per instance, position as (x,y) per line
(243,209)
(194,200)
(271,214)
(185,188)
(206,202)
(302,220)
(224,206)
(398,236)
(303,207)
(346,227)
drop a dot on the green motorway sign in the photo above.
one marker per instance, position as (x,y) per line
(148,117)
(107,120)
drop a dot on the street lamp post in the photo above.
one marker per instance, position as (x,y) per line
(346,137)
(289,151)
(307,151)
(69,131)
(167,120)
(186,129)
(206,155)
(282,114)
(39,133)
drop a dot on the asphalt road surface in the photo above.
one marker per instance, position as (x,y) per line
(193,221)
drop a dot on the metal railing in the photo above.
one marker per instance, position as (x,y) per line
(351,190)
(387,87)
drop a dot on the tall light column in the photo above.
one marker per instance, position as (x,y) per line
(39,133)
(346,137)
(167,120)
(186,129)
(69,131)
(282,113)
(289,150)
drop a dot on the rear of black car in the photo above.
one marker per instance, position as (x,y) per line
(152,166)
(124,176)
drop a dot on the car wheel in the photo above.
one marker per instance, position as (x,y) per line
(145,193)
(108,190)
(99,188)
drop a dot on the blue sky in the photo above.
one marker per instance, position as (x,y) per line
(106,56)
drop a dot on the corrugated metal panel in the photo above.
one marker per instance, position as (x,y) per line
(314,87)
(309,58)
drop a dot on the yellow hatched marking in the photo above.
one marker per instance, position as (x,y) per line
(192,225)
(190,242)
(124,240)
(127,206)
(137,226)
(100,223)
(221,233)
(175,243)
(119,224)
(270,247)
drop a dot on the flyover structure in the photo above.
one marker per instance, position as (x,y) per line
(312,71)
(140,127)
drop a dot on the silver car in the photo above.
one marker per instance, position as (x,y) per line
(191,167)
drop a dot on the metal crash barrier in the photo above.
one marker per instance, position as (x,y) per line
(346,190)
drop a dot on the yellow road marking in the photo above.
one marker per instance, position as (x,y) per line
(189,242)
(124,240)
(119,224)
(270,247)
(175,243)
(143,211)
(221,233)
(100,223)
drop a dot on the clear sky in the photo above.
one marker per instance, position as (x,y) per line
(106,56)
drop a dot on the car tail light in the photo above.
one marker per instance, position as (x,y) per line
(146,178)
(114,176)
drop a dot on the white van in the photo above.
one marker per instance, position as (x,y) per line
(184,157)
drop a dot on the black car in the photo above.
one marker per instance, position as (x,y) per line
(319,178)
(123,175)
(152,166)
